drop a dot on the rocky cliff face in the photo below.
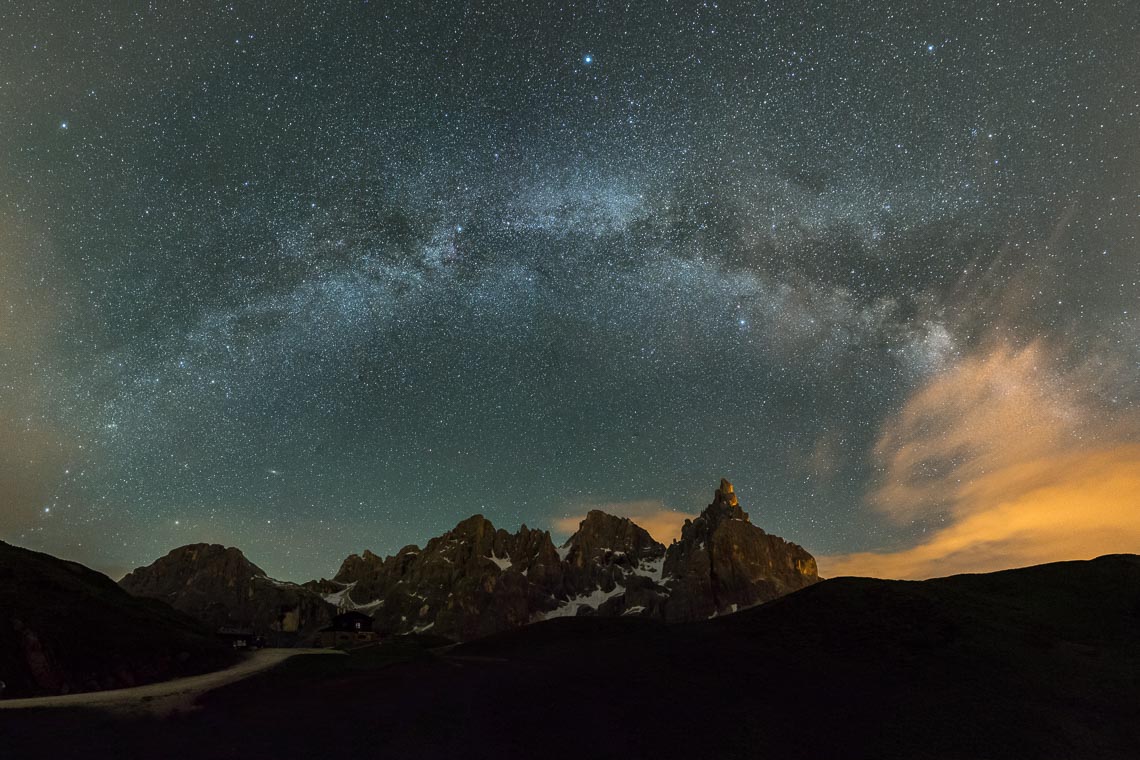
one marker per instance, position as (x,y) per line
(605,548)
(475,580)
(723,563)
(220,587)
(471,581)
(613,567)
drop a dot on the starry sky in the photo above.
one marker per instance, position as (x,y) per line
(310,278)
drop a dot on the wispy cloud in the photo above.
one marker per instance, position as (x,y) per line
(1015,459)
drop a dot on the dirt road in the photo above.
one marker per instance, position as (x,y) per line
(168,696)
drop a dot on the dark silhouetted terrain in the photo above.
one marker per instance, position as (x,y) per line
(1042,662)
(66,628)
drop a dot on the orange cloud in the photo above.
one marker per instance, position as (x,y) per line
(1014,460)
(661,523)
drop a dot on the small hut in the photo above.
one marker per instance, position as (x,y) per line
(347,629)
(240,638)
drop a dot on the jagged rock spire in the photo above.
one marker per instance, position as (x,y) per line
(723,562)
(726,493)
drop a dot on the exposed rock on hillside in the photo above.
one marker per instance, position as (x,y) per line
(471,581)
(604,542)
(613,567)
(723,563)
(220,587)
(475,580)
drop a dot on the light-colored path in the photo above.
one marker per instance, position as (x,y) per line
(167,696)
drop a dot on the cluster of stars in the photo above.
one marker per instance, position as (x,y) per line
(341,277)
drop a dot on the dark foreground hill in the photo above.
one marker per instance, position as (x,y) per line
(1042,662)
(66,628)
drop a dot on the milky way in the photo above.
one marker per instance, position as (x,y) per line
(314,278)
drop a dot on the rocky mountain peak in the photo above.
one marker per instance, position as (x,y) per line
(605,537)
(725,505)
(472,580)
(723,562)
(726,493)
(219,586)
(610,555)
(183,565)
(356,565)
(474,528)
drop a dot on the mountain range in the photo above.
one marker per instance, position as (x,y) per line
(476,580)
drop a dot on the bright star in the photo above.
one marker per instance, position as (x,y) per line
(63,125)
(587,59)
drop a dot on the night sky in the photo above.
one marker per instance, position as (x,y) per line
(310,278)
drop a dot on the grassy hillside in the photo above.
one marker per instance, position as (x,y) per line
(65,627)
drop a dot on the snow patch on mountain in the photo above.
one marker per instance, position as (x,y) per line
(651,569)
(502,562)
(594,599)
(340,598)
